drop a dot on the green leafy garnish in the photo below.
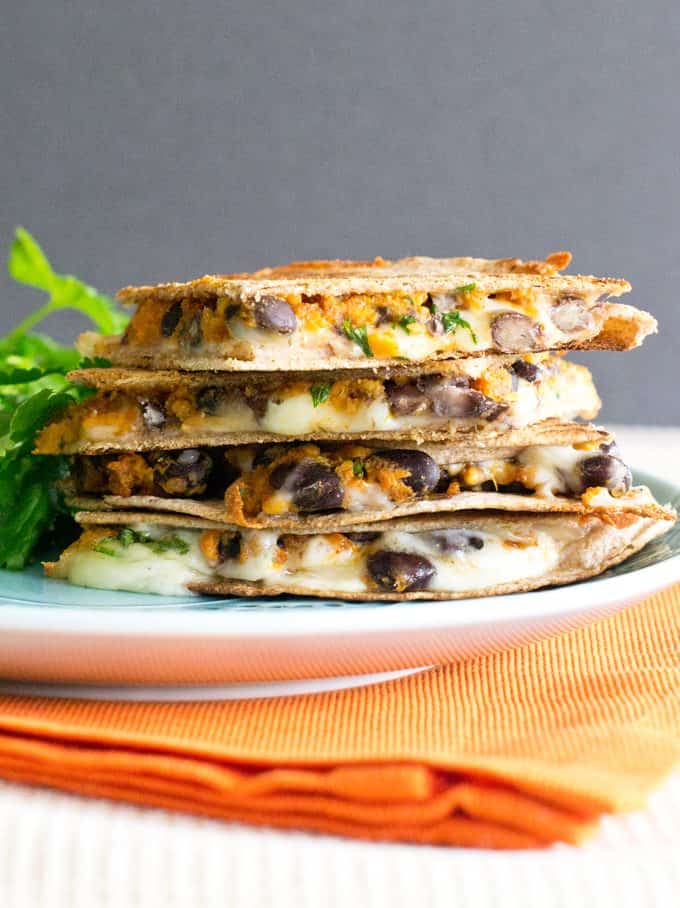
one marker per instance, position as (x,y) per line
(406,321)
(320,393)
(453,320)
(466,288)
(28,264)
(358,468)
(357,334)
(33,389)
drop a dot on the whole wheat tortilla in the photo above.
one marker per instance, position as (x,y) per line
(149,380)
(638,501)
(550,431)
(470,447)
(409,275)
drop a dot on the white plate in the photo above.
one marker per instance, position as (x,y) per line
(54,633)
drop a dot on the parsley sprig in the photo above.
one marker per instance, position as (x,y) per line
(33,389)
(453,320)
(358,334)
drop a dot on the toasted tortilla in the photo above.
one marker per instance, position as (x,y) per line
(600,544)
(148,380)
(638,501)
(413,274)
(548,431)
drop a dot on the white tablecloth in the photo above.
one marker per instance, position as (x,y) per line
(60,851)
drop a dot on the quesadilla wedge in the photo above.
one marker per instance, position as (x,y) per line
(438,557)
(138,411)
(338,485)
(334,315)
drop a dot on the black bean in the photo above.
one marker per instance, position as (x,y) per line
(435,324)
(384,316)
(153,414)
(456,540)
(275,314)
(228,547)
(513,332)
(528,371)
(423,471)
(209,399)
(405,400)
(184,473)
(607,471)
(258,401)
(315,486)
(400,572)
(444,482)
(171,319)
(570,314)
(362,537)
(451,397)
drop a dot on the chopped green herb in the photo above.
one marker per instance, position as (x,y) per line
(358,468)
(453,320)
(406,321)
(168,544)
(320,393)
(357,334)
(466,288)
(127,536)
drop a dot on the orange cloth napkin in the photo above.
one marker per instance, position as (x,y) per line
(518,749)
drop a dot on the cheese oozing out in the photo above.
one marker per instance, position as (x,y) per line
(330,562)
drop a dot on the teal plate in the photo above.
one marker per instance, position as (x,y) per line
(65,640)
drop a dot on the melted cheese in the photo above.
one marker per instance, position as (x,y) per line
(137,569)
(317,562)
(554,469)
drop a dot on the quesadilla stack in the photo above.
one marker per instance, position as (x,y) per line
(371,430)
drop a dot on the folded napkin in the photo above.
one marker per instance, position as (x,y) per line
(518,749)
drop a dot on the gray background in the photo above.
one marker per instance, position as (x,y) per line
(146,141)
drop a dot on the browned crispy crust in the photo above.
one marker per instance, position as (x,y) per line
(408,274)
(553,263)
